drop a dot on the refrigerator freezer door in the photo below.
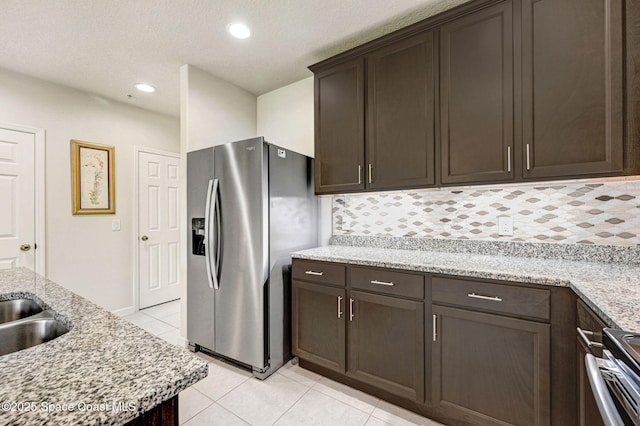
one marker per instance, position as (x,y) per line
(241,170)
(200,305)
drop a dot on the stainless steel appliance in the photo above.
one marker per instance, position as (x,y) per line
(615,378)
(250,204)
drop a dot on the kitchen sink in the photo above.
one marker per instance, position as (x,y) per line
(11,310)
(31,331)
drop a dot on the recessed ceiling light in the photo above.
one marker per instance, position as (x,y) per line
(144,87)
(239,30)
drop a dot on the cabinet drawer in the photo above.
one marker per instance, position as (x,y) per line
(388,282)
(508,299)
(319,272)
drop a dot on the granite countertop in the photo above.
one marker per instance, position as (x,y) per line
(611,289)
(103,359)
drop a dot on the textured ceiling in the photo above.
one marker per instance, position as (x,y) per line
(105,46)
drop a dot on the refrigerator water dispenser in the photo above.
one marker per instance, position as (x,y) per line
(197,236)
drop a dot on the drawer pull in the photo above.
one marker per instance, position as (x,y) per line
(480,296)
(387,283)
(319,274)
(590,344)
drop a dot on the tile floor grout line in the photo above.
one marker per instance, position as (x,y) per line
(292,405)
(169,324)
(295,380)
(368,418)
(233,414)
(346,403)
(230,390)
(198,412)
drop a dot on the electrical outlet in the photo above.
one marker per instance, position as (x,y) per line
(505,226)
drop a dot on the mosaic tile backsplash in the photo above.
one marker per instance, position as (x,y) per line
(606,213)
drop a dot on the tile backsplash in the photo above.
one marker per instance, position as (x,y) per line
(587,212)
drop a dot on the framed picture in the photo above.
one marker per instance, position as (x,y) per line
(93,178)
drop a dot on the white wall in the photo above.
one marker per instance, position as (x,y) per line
(213,111)
(82,252)
(285,116)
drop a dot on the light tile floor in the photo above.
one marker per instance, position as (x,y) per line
(292,396)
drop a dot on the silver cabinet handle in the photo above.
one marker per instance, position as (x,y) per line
(590,344)
(528,157)
(359,174)
(339,306)
(480,296)
(370,170)
(387,283)
(435,327)
(319,274)
(509,159)
(606,406)
(351,315)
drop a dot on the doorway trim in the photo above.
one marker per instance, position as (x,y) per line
(136,200)
(39,189)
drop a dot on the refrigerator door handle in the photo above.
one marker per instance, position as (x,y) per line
(209,247)
(218,236)
(207,233)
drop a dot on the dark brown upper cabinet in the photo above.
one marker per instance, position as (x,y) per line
(572,88)
(400,114)
(339,128)
(476,97)
(490,91)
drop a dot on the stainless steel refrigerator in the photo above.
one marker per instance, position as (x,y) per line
(249,204)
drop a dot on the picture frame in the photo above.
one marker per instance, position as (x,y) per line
(92,178)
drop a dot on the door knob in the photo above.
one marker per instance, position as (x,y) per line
(25,247)
(144,238)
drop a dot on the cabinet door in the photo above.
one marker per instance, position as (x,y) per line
(572,87)
(339,127)
(489,369)
(476,96)
(400,118)
(386,343)
(318,325)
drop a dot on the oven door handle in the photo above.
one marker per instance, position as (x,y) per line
(608,410)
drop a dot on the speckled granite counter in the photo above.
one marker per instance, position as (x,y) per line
(610,289)
(102,360)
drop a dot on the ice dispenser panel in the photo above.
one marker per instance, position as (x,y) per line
(197,236)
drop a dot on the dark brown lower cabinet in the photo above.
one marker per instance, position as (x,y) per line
(489,369)
(386,343)
(318,324)
(164,414)
(458,350)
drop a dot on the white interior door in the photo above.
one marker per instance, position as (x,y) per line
(158,228)
(17,199)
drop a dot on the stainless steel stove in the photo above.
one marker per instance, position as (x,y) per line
(615,378)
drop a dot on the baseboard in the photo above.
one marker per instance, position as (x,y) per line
(124,311)
(183,343)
